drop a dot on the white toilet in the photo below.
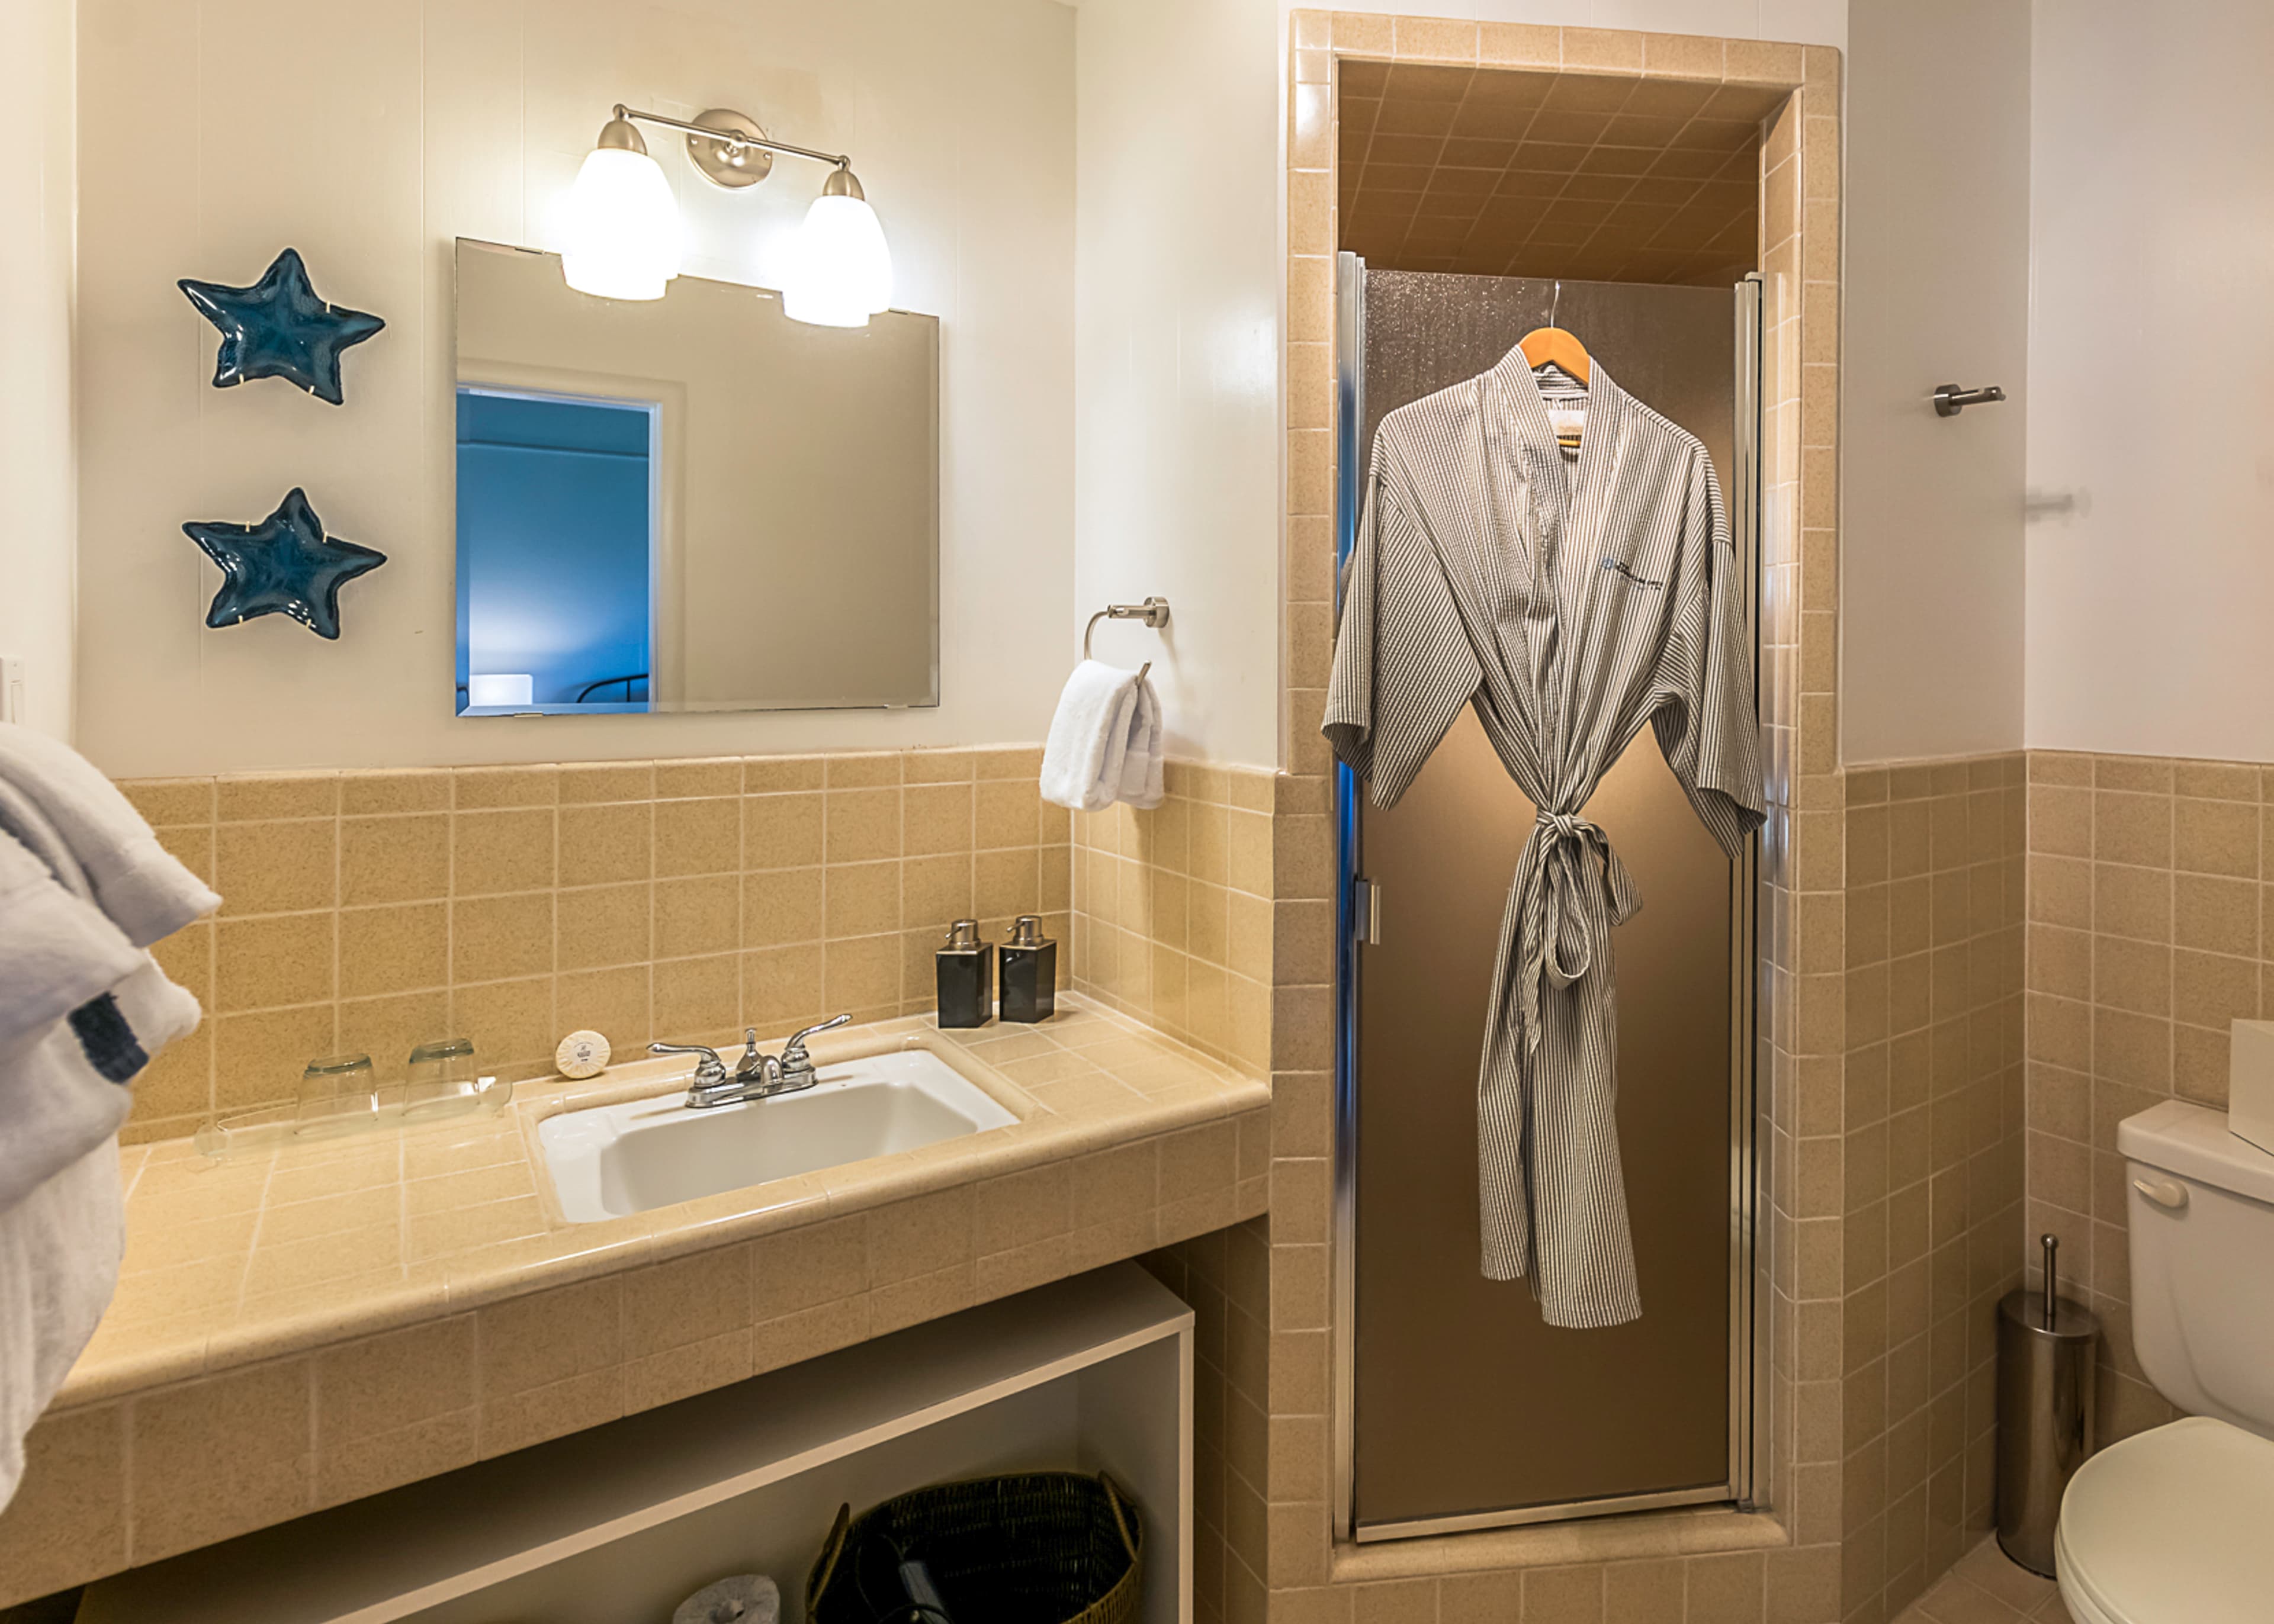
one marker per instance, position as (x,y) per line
(2176,1525)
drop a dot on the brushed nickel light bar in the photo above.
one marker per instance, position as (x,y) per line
(626,239)
(730,148)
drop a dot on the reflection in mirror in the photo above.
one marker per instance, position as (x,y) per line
(693,504)
(556,510)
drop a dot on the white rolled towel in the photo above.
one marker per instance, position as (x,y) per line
(1105,742)
(744,1598)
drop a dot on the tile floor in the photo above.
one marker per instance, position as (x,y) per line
(1986,1587)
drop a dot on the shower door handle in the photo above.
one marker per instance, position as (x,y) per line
(1365,913)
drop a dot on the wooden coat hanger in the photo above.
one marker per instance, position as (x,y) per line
(1554,347)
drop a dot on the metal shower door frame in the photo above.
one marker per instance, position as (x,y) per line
(1748,1191)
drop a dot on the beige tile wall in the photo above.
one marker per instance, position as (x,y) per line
(1172,919)
(1175,922)
(1926,1180)
(1799,851)
(2145,939)
(1282,1559)
(675,900)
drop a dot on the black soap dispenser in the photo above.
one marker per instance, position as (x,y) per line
(966,976)
(1030,972)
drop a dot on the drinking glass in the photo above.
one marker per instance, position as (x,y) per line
(338,1094)
(441,1079)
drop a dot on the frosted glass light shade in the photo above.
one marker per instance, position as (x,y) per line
(840,270)
(500,690)
(623,233)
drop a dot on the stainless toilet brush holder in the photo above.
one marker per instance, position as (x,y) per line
(2045,1391)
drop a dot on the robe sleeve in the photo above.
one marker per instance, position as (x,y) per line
(1403,665)
(1705,714)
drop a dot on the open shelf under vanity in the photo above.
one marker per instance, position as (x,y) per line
(616,1524)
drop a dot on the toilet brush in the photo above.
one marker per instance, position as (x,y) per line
(2045,1391)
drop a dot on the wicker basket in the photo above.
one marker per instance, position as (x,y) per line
(1035,1548)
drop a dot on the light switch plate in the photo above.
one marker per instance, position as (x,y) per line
(2250,1083)
(12,689)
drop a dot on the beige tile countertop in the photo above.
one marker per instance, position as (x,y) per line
(327,1320)
(234,1262)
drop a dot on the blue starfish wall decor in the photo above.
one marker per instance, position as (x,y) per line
(279,328)
(284,565)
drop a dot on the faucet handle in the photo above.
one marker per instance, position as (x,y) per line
(794,1058)
(709,1069)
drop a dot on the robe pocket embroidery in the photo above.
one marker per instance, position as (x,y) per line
(1617,568)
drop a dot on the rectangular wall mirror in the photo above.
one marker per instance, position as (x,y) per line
(690,504)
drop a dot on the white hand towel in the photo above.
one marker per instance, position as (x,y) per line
(1088,746)
(59,1252)
(83,1009)
(56,951)
(64,1093)
(1140,768)
(135,880)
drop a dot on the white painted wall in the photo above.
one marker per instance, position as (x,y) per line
(369,137)
(38,488)
(2152,369)
(1176,361)
(1936,291)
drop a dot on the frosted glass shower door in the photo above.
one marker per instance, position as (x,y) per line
(1461,1408)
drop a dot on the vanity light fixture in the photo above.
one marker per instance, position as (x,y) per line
(625,230)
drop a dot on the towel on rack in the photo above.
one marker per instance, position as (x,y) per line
(82,1012)
(84,888)
(59,1252)
(135,881)
(83,1007)
(1105,742)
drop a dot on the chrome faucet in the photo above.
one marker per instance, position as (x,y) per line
(755,1076)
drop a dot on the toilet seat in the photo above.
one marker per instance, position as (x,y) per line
(2171,1527)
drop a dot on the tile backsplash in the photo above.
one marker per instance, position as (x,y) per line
(1928,1183)
(2146,892)
(679,900)
(1172,910)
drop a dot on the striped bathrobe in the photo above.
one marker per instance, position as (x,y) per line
(1569,605)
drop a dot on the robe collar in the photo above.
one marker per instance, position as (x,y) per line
(1554,486)
(1513,376)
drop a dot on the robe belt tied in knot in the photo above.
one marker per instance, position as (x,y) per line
(1570,879)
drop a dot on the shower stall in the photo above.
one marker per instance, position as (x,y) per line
(1456,1407)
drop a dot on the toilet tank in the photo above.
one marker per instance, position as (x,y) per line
(2202,1219)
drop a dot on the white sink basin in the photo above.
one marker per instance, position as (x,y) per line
(613,1161)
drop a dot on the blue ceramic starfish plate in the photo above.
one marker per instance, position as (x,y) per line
(284,565)
(279,328)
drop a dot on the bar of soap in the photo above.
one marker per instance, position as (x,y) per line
(582,1054)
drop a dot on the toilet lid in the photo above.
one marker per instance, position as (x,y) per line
(2171,1526)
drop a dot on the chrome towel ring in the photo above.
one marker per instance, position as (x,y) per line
(1154,612)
